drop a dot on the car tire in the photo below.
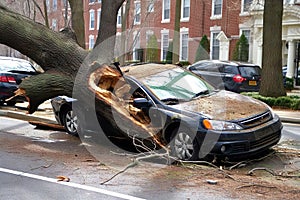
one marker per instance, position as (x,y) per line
(70,122)
(183,146)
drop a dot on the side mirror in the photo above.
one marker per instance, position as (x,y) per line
(141,103)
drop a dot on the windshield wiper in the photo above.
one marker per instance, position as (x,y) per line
(204,92)
(171,101)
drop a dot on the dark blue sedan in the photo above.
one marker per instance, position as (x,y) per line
(188,115)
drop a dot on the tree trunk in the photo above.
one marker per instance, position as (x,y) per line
(176,41)
(107,31)
(272,80)
(69,71)
(78,21)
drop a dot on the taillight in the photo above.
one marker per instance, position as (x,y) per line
(7,79)
(238,78)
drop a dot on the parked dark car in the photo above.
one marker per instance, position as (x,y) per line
(284,72)
(196,120)
(12,72)
(233,76)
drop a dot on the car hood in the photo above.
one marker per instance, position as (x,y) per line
(224,105)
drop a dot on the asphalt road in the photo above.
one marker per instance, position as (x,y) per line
(31,159)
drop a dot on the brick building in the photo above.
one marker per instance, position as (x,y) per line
(222,21)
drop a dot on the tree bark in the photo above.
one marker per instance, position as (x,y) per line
(78,21)
(176,41)
(272,80)
(108,28)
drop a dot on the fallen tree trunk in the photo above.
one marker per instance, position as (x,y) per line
(71,71)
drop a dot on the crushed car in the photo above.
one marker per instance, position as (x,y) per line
(194,120)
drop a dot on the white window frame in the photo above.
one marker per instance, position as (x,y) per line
(98,18)
(92,20)
(54,4)
(213,15)
(137,12)
(48,5)
(249,38)
(136,45)
(54,25)
(150,7)
(184,31)
(164,44)
(212,34)
(243,11)
(119,17)
(91,1)
(164,19)
(91,41)
(183,6)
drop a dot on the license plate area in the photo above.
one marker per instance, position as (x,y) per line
(252,83)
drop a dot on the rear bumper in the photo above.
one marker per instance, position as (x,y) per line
(7,90)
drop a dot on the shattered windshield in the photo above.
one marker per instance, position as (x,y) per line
(176,84)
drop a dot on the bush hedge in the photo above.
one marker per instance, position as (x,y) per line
(287,102)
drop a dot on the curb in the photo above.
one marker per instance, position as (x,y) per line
(289,120)
(25,117)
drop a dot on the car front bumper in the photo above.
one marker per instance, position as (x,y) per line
(241,143)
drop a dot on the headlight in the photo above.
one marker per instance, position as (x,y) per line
(220,125)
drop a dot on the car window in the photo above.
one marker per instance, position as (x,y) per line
(210,67)
(9,65)
(176,84)
(247,71)
(229,69)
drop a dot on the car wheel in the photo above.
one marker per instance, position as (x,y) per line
(70,121)
(183,145)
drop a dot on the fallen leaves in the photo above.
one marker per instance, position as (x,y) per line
(63,178)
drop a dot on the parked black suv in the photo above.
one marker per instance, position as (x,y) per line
(234,76)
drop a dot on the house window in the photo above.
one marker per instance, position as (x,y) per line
(150,6)
(166,10)
(91,41)
(137,16)
(215,46)
(98,18)
(184,45)
(92,19)
(48,5)
(246,5)
(54,25)
(92,1)
(149,33)
(247,33)
(164,44)
(217,8)
(119,17)
(136,46)
(185,10)
(54,5)
(99,1)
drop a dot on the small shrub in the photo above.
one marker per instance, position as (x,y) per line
(290,102)
(289,83)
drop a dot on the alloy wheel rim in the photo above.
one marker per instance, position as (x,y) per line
(183,146)
(71,122)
